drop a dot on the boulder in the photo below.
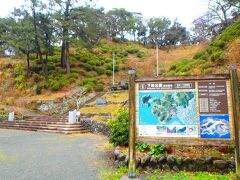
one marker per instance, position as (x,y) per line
(231,163)
(162,160)
(175,168)
(187,160)
(209,159)
(145,160)
(121,157)
(170,159)
(179,161)
(220,164)
(166,167)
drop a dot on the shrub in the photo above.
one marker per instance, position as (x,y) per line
(119,128)
(74,75)
(219,43)
(89,87)
(20,79)
(199,55)
(109,72)
(18,70)
(99,87)
(55,85)
(100,70)
(36,78)
(58,83)
(157,150)
(217,56)
(55,58)
(142,147)
(132,50)
(206,65)
(87,66)
(38,90)
(37,69)
(141,54)
(91,74)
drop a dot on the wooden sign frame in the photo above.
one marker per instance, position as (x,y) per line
(178,80)
(198,84)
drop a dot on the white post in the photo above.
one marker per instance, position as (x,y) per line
(113,68)
(11,116)
(157,57)
(72,116)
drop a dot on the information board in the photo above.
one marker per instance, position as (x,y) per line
(198,108)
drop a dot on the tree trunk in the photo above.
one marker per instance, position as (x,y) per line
(67,58)
(28,62)
(36,34)
(63,54)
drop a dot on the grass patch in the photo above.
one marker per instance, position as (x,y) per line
(189,176)
(116,174)
(109,109)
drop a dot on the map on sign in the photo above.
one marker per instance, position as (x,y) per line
(168,113)
(214,126)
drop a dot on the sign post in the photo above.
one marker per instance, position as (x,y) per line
(236,116)
(132,125)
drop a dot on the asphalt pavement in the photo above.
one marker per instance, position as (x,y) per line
(44,156)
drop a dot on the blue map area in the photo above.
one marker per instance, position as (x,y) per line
(170,108)
(214,126)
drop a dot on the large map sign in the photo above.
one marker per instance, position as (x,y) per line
(195,108)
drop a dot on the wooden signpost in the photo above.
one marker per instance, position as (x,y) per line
(187,110)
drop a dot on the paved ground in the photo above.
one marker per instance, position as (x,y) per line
(40,156)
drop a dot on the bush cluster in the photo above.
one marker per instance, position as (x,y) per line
(119,128)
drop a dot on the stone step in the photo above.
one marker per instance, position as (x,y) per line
(42,123)
(48,119)
(49,131)
(43,127)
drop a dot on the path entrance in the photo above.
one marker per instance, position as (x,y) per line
(31,155)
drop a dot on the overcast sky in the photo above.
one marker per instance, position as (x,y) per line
(184,10)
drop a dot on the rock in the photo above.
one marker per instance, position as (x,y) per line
(116,152)
(121,157)
(149,168)
(191,167)
(220,164)
(121,163)
(166,167)
(153,162)
(170,159)
(231,163)
(116,164)
(145,160)
(175,168)
(162,160)
(209,159)
(187,160)
(200,161)
(138,162)
(126,159)
(179,161)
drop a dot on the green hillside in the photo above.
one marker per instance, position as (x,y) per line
(224,50)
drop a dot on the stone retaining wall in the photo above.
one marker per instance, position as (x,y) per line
(174,163)
(95,126)
(61,106)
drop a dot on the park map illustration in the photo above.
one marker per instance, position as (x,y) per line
(171,112)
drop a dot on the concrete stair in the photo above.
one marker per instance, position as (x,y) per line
(45,124)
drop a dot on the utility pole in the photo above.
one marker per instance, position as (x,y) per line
(157,57)
(113,69)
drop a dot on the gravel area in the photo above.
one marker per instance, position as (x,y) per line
(39,156)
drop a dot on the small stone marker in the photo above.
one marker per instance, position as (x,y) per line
(72,117)
(101,101)
(11,116)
